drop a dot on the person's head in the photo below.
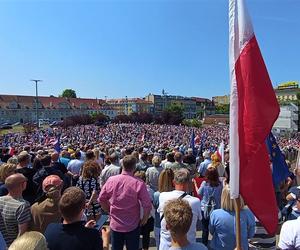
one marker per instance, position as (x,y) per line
(212,176)
(30,240)
(129,162)
(165,180)
(6,170)
(114,158)
(91,169)
(215,159)
(178,157)
(89,155)
(136,155)
(170,157)
(24,158)
(54,156)
(144,156)
(178,215)
(226,202)
(156,161)
(182,179)
(46,160)
(96,153)
(65,154)
(141,175)
(13,160)
(77,155)
(72,204)
(52,181)
(16,184)
(206,155)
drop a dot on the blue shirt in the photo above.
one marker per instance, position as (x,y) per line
(203,167)
(64,161)
(222,228)
(190,246)
(205,191)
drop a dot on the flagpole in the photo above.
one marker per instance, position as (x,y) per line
(237,204)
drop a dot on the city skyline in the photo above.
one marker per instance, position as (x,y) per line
(128,48)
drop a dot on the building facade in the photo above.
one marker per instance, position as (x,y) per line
(287,92)
(221,100)
(288,119)
(16,108)
(193,107)
(127,106)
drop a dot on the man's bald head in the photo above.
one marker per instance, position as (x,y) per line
(14,181)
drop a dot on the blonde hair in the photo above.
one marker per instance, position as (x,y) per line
(156,161)
(96,153)
(6,170)
(226,202)
(30,240)
(165,180)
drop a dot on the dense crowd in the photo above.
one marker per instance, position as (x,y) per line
(59,186)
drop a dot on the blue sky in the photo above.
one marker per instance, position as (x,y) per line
(118,48)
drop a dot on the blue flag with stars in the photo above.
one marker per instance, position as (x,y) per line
(280,168)
(192,143)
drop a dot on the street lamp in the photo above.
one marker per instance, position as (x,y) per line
(36,101)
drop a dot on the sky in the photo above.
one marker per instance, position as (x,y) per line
(119,48)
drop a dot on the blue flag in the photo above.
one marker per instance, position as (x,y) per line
(56,145)
(192,143)
(280,168)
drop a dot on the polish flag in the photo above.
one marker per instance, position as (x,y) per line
(253,111)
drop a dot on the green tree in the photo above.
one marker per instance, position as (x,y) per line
(222,109)
(69,93)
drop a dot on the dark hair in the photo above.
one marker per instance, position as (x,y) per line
(71,203)
(89,155)
(77,154)
(170,157)
(129,162)
(212,176)
(46,160)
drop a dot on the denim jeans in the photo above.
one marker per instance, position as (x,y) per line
(130,239)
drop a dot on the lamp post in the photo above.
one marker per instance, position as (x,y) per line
(36,101)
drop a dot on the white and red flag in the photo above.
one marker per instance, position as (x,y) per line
(253,111)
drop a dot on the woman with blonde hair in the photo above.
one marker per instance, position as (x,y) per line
(30,240)
(165,184)
(216,162)
(98,159)
(222,224)
(89,184)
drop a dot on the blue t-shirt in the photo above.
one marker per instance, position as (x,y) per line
(205,191)
(222,228)
(73,236)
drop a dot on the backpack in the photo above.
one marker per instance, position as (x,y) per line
(209,206)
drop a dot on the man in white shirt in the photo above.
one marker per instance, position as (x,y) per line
(181,182)
(290,232)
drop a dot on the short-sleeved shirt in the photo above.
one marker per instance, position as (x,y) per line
(290,235)
(165,237)
(72,236)
(12,213)
(190,246)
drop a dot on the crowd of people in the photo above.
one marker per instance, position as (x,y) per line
(58,187)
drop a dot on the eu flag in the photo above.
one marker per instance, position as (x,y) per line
(280,168)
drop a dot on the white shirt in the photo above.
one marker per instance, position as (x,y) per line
(290,235)
(74,166)
(165,237)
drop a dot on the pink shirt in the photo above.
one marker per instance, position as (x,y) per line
(124,193)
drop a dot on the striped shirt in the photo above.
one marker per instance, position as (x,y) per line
(261,239)
(13,212)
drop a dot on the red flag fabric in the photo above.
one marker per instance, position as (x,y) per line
(253,111)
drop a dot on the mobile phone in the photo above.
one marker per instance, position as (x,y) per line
(101,221)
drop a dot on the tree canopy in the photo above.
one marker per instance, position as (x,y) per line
(69,93)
